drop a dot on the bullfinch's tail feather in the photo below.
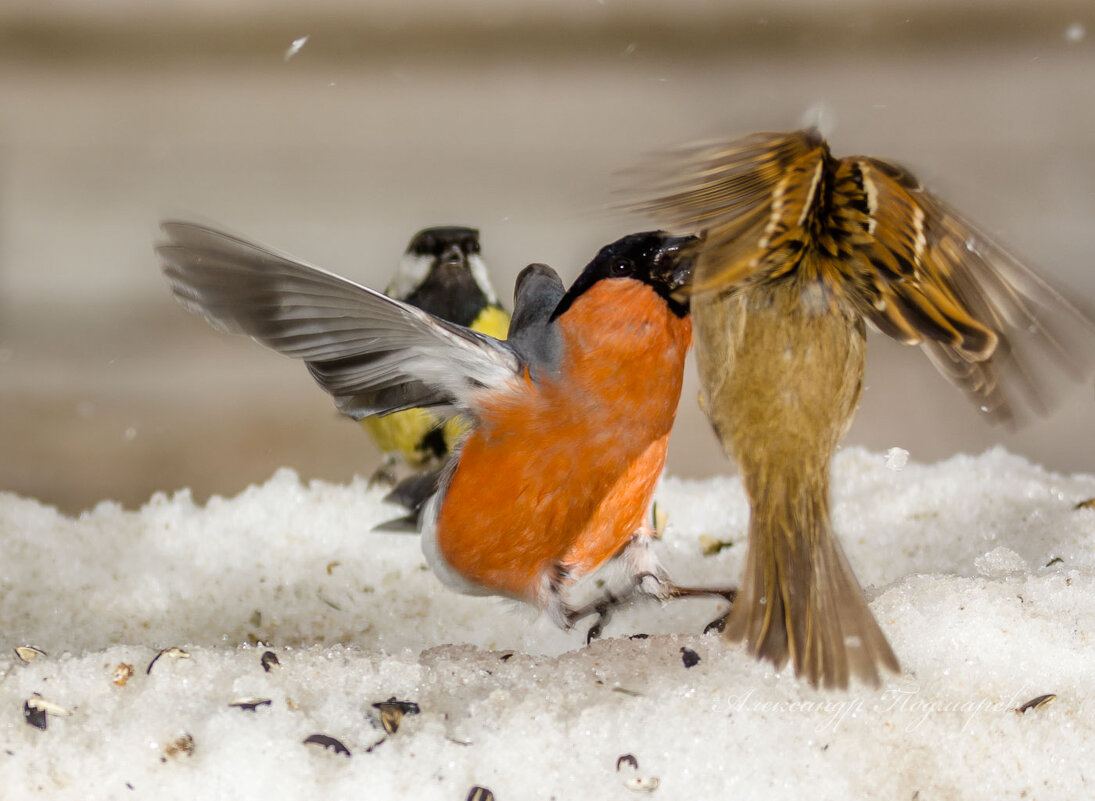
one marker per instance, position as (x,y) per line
(412,494)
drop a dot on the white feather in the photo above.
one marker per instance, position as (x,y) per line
(409,275)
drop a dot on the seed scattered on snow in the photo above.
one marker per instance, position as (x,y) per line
(28,653)
(249,704)
(638,783)
(1041,702)
(1088,504)
(507,656)
(34,716)
(122,674)
(392,712)
(1054,561)
(36,708)
(709,546)
(689,657)
(629,760)
(269,661)
(327,742)
(480,794)
(182,746)
(717,625)
(173,653)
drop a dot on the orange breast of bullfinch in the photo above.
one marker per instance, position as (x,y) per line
(558,473)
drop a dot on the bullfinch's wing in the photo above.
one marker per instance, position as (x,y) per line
(373,354)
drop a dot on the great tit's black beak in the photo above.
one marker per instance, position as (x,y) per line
(452,256)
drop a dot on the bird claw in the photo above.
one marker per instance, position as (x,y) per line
(601,608)
(665,590)
(604,614)
(661,584)
(718,625)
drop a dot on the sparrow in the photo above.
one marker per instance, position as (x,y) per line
(801,251)
(443,273)
(569,417)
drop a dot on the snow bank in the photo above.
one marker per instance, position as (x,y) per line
(980,569)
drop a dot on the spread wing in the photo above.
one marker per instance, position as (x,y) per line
(774,203)
(987,322)
(373,354)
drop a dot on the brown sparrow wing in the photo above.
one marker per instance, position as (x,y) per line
(750,198)
(987,322)
(773,203)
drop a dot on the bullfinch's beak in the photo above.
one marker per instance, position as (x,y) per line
(676,263)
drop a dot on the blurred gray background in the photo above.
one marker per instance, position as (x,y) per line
(515,118)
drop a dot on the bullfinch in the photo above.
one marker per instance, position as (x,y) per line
(570,416)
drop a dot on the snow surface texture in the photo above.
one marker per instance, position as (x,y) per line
(981,571)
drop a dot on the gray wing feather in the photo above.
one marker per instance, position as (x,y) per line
(374,354)
(536,293)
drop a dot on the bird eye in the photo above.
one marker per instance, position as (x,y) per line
(621,267)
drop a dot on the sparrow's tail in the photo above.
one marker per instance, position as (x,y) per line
(799,599)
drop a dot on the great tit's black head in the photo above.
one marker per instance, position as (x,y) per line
(443,273)
(661,260)
(449,244)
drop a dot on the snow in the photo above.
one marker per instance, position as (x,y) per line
(981,570)
(897,458)
(295,46)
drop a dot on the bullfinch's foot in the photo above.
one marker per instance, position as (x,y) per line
(662,589)
(602,608)
(604,614)
(665,590)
